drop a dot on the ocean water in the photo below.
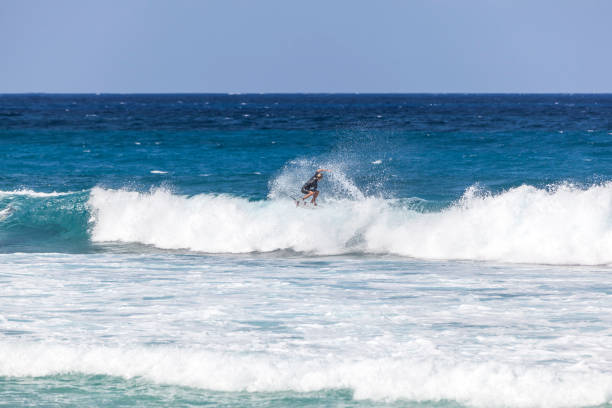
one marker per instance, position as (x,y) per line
(151,254)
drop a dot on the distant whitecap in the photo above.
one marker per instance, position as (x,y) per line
(158,172)
(32,193)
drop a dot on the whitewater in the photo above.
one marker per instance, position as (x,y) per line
(563,224)
(385,330)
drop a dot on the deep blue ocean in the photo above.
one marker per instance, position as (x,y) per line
(151,253)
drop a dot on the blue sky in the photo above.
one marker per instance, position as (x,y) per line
(305,46)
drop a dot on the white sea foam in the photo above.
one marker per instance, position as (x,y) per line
(561,225)
(486,335)
(5,212)
(158,172)
(421,379)
(32,193)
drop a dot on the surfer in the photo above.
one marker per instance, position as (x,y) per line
(310,187)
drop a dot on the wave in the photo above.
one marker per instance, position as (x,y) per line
(479,384)
(561,225)
(34,221)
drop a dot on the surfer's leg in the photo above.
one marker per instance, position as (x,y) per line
(308,195)
(314,197)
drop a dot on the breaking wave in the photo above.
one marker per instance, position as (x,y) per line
(561,225)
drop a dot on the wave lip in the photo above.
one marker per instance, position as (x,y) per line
(561,225)
(484,384)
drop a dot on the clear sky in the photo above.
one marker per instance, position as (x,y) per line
(305,46)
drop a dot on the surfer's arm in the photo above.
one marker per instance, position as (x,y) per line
(322,170)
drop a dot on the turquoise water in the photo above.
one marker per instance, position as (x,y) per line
(101,391)
(151,254)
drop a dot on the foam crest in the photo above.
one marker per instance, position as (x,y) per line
(561,225)
(480,384)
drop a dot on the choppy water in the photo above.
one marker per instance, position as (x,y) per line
(151,255)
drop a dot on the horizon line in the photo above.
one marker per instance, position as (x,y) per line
(303,93)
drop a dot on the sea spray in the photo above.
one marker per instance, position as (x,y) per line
(335,184)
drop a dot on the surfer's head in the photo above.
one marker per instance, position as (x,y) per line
(319,176)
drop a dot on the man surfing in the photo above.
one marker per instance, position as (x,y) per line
(310,187)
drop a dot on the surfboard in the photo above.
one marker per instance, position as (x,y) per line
(306,204)
(302,204)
